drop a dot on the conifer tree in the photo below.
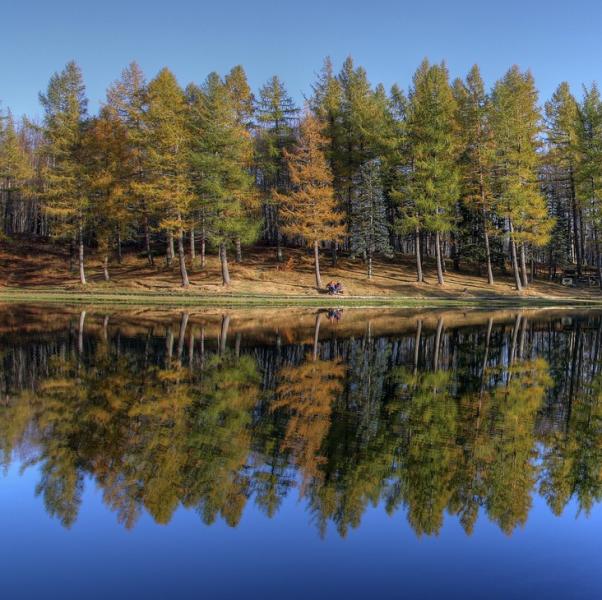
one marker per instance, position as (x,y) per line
(433,180)
(67,193)
(276,116)
(476,154)
(126,100)
(589,173)
(219,159)
(167,159)
(562,116)
(369,233)
(309,210)
(16,169)
(516,124)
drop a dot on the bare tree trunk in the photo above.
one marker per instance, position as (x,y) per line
(181,335)
(224,262)
(440,279)
(369,266)
(182,258)
(317,265)
(279,255)
(192,246)
(576,234)
(203,248)
(523,266)
(437,344)
(82,273)
(517,282)
(333,255)
(419,274)
(487,250)
(417,345)
(105,267)
(238,250)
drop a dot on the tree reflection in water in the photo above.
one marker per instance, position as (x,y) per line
(442,417)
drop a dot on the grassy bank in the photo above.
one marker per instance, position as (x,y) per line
(127,297)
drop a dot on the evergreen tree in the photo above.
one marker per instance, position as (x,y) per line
(276,116)
(369,228)
(429,201)
(309,210)
(476,156)
(167,159)
(219,159)
(516,124)
(67,193)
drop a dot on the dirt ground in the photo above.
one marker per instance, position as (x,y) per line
(37,265)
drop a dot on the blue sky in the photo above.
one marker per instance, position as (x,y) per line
(557,40)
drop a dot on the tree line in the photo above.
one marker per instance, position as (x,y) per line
(448,170)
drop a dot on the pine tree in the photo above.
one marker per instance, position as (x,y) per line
(67,192)
(276,116)
(476,155)
(433,180)
(369,233)
(309,210)
(167,159)
(220,155)
(516,125)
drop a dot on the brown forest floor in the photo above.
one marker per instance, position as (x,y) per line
(41,265)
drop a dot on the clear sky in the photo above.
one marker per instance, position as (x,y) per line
(558,40)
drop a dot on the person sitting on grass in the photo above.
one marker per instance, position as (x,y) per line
(334,288)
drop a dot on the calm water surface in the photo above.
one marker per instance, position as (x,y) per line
(300,454)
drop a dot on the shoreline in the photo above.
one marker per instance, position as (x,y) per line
(191,299)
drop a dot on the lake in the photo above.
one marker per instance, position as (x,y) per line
(300,453)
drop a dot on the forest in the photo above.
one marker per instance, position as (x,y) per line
(446,170)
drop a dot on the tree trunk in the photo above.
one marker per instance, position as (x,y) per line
(517,282)
(223,336)
(369,266)
(238,250)
(203,248)
(316,335)
(523,266)
(440,280)
(119,252)
(419,275)
(279,255)
(437,344)
(80,332)
(182,259)
(82,273)
(147,244)
(333,257)
(487,252)
(576,235)
(224,262)
(192,246)
(105,267)
(317,265)
(170,248)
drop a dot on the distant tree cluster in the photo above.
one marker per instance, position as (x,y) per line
(448,170)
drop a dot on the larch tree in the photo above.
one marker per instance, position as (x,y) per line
(433,186)
(309,210)
(244,107)
(516,124)
(589,172)
(108,157)
(16,169)
(219,160)
(277,115)
(67,192)
(562,126)
(126,100)
(476,154)
(369,232)
(167,160)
